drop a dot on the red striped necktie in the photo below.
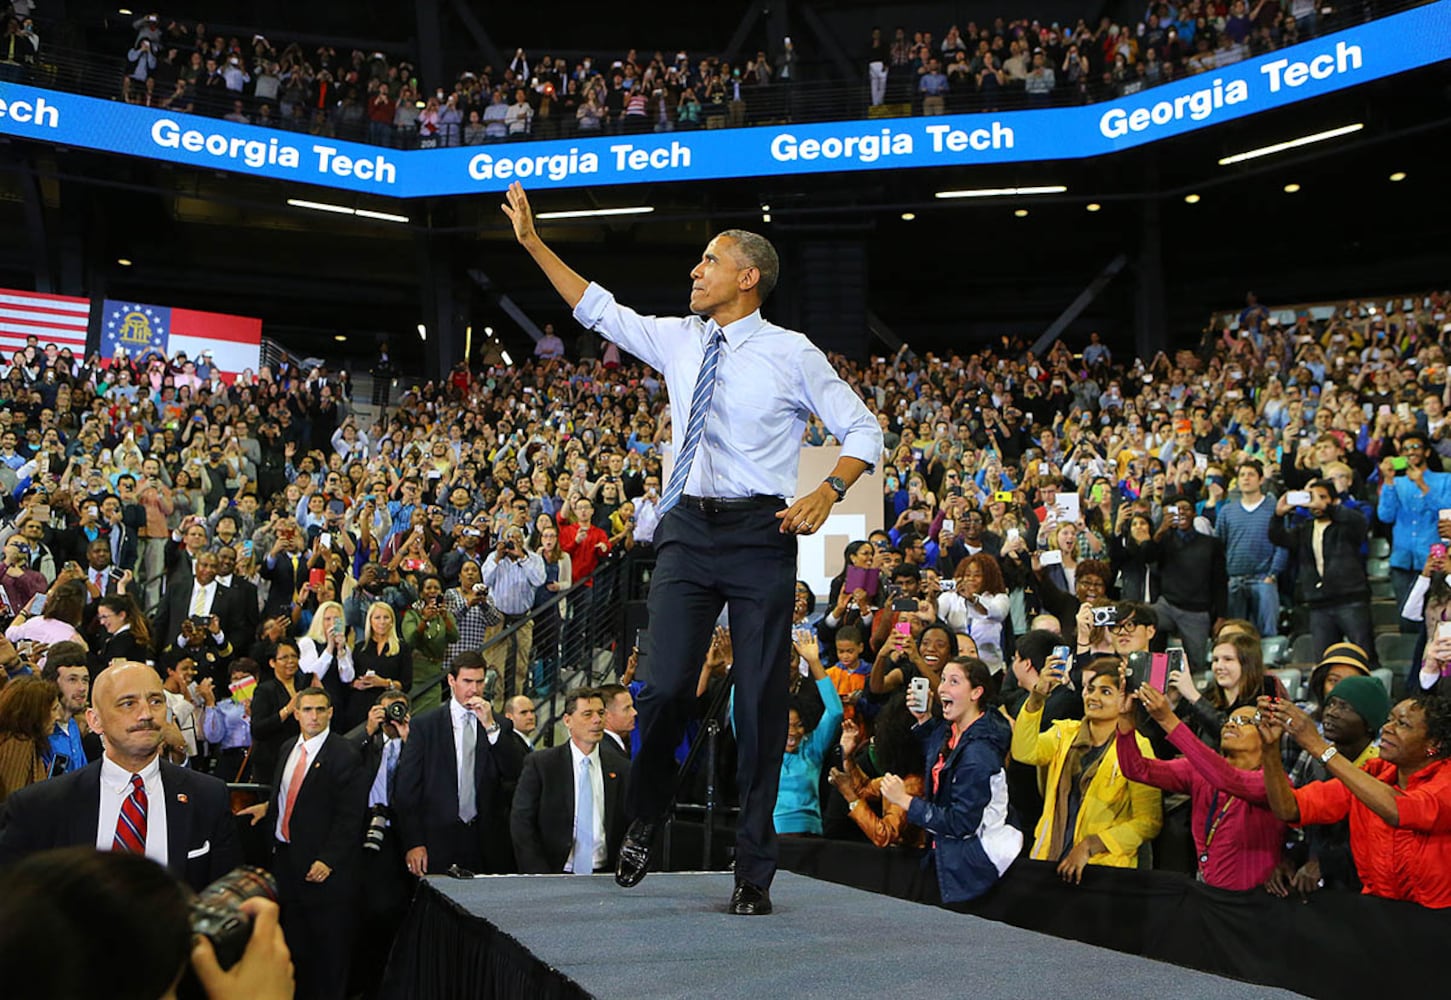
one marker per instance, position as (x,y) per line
(131,824)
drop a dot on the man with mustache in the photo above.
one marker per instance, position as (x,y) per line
(130,800)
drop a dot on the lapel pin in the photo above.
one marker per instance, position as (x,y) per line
(181,797)
(612,774)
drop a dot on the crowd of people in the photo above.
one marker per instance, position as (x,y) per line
(378,97)
(1027,63)
(1054,648)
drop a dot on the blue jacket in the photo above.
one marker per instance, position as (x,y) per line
(967,817)
(1412,516)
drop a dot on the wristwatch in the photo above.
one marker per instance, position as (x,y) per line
(838,486)
(1330,753)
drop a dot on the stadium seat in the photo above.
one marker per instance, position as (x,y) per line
(1378,569)
(1380,548)
(1387,677)
(1394,650)
(1292,680)
(1385,616)
(1382,588)
(1273,649)
(1302,649)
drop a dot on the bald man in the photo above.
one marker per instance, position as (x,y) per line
(520,711)
(130,799)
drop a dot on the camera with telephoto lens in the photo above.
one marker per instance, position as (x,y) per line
(216,913)
(379,818)
(396,711)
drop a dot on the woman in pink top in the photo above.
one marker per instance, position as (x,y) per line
(1237,839)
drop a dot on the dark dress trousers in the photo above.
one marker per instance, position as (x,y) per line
(318,918)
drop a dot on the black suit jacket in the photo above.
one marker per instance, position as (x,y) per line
(542,821)
(425,791)
(201,835)
(247,611)
(122,645)
(327,818)
(284,582)
(176,607)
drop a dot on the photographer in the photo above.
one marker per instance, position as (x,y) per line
(58,901)
(386,892)
(513,575)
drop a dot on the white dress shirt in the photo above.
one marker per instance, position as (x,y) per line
(597,796)
(463,717)
(115,788)
(182,710)
(316,659)
(313,748)
(208,596)
(767,380)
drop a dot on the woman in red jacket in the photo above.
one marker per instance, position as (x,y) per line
(1399,805)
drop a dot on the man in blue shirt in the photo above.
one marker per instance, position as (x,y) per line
(65,664)
(1411,501)
(741,389)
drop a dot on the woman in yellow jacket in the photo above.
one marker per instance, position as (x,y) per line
(1092,814)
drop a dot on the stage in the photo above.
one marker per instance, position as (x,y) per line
(558,936)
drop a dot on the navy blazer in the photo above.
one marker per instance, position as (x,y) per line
(425,790)
(967,816)
(201,835)
(542,820)
(328,816)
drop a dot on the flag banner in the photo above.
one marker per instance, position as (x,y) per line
(234,342)
(52,319)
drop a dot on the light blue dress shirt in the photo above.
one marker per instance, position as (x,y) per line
(768,381)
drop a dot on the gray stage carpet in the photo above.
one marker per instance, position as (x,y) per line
(671,937)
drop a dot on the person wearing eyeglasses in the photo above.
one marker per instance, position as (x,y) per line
(1237,839)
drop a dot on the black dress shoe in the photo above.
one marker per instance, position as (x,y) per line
(750,901)
(635,853)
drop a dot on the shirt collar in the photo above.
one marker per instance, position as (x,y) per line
(118,779)
(578,755)
(313,745)
(740,331)
(461,715)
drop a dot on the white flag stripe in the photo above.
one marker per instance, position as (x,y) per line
(81,306)
(69,321)
(44,334)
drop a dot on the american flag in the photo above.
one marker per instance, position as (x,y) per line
(53,319)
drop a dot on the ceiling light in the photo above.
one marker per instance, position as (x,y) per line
(339,337)
(908,216)
(1093,206)
(1291,188)
(765,207)
(422,332)
(766,217)
(1191,199)
(320,206)
(1398,176)
(1280,147)
(124,261)
(124,12)
(591,213)
(505,355)
(1021,213)
(489,330)
(364,213)
(1002,192)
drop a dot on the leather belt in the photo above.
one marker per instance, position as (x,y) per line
(723,505)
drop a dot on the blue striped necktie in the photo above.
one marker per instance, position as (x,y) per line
(695,427)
